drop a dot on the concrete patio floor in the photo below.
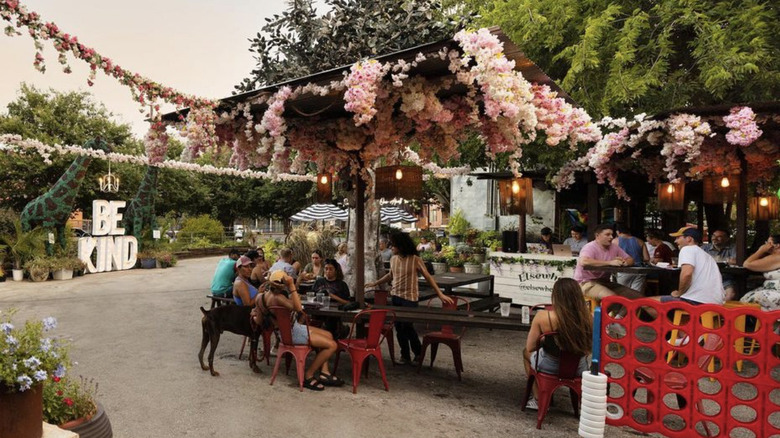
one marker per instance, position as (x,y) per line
(138,333)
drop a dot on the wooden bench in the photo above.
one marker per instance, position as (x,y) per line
(217,301)
(491,304)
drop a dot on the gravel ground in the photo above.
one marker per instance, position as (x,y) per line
(138,333)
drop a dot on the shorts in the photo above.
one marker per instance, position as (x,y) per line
(549,364)
(300,334)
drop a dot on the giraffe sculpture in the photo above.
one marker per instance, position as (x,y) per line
(52,209)
(140,210)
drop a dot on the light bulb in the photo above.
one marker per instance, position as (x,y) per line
(399,174)
(670,189)
(725,182)
(763,201)
(324,179)
(515,187)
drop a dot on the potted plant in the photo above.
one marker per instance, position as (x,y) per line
(39,268)
(165,259)
(72,405)
(147,258)
(62,268)
(455,263)
(22,245)
(473,266)
(30,358)
(439,263)
(457,227)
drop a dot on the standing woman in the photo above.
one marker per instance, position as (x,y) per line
(405,265)
(570,318)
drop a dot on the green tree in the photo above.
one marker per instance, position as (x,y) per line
(619,57)
(299,42)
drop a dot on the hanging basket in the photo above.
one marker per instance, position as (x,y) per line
(720,189)
(671,196)
(399,182)
(21,413)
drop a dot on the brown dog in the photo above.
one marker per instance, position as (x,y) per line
(234,319)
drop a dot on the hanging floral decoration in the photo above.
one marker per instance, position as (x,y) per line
(683,147)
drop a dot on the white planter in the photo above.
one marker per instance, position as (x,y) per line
(63,274)
(18,274)
(439,268)
(473,269)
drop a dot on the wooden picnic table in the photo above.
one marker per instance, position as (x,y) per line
(450,280)
(434,315)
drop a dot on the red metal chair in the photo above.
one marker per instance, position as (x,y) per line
(380,299)
(548,383)
(286,346)
(361,349)
(446,335)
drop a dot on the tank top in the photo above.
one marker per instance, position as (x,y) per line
(631,246)
(252,292)
(404,270)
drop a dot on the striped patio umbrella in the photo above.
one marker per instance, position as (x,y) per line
(320,212)
(390,215)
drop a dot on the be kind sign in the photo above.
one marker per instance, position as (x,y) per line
(114,251)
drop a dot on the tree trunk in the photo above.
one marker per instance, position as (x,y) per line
(371,238)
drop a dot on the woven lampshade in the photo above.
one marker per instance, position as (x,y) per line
(324,188)
(720,189)
(399,182)
(764,208)
(671,196)
(516,196)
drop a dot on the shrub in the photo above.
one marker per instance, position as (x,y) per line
(458,224)
(67,400)
(203,226)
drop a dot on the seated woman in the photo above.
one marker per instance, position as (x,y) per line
(570,318)
(313,270)
(766,260)
(280,283)
(261,268)
(244,292)
(333,282)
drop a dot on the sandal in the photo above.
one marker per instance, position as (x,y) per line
(329,380)
(313,384)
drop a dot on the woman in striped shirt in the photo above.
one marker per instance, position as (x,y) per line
(405,265)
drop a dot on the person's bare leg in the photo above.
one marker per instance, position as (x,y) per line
(729,293)
(527,366)
(323,341)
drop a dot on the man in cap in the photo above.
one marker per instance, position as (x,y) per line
(700,280)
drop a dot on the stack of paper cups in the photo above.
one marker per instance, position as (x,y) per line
(594,405)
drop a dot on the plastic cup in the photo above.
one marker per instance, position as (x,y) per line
(326,301)
(505,309)
(310,297)
(319,297)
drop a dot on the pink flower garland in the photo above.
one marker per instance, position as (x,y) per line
(156,143)
(743,128)
(362,84)
(685,134)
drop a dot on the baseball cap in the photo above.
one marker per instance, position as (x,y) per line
(243,261)
(688,232)
(277,276)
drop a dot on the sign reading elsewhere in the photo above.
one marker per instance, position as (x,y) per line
(530,282)
(114,251)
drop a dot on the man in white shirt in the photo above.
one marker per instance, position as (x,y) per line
(700,281)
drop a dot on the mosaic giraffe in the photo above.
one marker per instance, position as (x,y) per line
(140,210)
(52,209)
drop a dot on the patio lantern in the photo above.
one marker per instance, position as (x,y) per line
(399,182)
(764,208)
(671,196)
(720,189)
(516,196)
(324,188)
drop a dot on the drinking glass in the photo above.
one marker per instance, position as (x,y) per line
(319,297)
(506,308)
(326,301)
(310,297)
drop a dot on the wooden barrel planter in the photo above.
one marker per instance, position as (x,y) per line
(21,413)
(98,426)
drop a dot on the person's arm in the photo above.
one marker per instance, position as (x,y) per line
(344,288)
(385,279)
(587,261)
(763,260)
(241,291)
(686,275)
(534,332)
(424,271)
(645,252)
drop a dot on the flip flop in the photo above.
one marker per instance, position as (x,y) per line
(313,384)
(329,380)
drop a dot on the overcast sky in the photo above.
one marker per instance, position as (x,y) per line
(199,47)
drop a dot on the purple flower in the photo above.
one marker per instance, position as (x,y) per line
(60,371)
(32,362)
(40,375)
(45,345)
(6,327)
(24,382)
(49,323)
(12,342)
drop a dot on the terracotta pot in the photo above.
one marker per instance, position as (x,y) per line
(97,426)
(456,268)
(21,413)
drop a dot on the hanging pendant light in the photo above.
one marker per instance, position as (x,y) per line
(764,208)
(671,196)
(516,196)
(324,188)
(399,182)
(720,189)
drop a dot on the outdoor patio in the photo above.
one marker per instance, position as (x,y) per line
(138,332)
